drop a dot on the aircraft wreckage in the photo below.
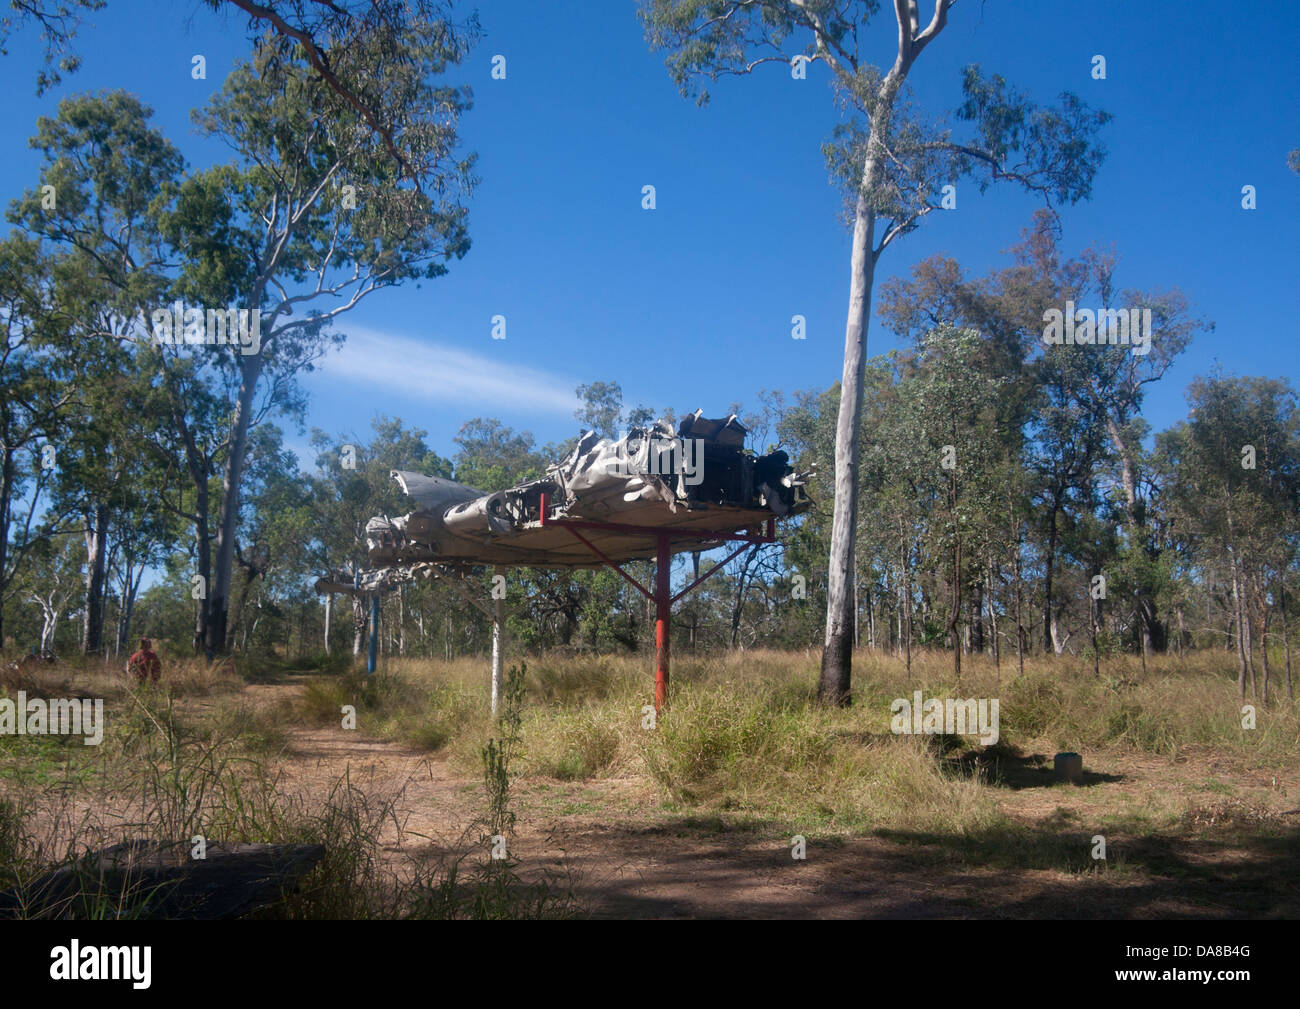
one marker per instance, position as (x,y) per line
(697,484)
(649,494)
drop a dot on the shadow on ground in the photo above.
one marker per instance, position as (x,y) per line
(1005,766)
(689,869)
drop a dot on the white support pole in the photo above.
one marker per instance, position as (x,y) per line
(498,622)
(497,614)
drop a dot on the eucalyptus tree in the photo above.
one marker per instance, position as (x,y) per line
(96,466)
(807,431)
(602,408)
(35,395)
(491,456)
(1102,386)
(50,583)
(306,29)
(1119,387)
(58,22)
(935,297)
(893,163)
(1081,404)
(276,532)
(1232,485)
(352,483)
(144,533)
(955,406)
(315,213)
(896,504)
(96,203)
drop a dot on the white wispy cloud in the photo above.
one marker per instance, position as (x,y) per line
(431,371)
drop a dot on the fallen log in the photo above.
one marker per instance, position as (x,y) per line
(154,879)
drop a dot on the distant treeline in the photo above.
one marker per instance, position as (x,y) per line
(1013,498)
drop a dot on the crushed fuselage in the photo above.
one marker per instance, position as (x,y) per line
(698,478)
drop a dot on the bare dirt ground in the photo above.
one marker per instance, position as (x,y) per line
(626,855)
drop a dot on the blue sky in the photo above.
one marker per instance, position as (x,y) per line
(689,305)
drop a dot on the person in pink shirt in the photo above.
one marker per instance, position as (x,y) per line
(145,662)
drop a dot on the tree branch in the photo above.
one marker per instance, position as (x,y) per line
(320,62)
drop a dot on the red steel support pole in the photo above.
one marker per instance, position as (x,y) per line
(663,610)
(663,595)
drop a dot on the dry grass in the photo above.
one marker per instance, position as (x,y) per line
(743,733)
(195,756)
(742,739)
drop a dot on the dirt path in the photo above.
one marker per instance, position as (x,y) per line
(624,856)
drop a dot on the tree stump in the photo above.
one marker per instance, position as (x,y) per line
(1069,767)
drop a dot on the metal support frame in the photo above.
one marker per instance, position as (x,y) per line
(495,613)
(662,595)
(372,619)
(373,657)
(498,645)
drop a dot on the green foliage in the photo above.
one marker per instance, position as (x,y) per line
(1056,148)
(492,457)
(574,745)
(499,751)
(602,406)
(709,740)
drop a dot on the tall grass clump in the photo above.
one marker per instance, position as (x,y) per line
(772,756)
(577,745)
